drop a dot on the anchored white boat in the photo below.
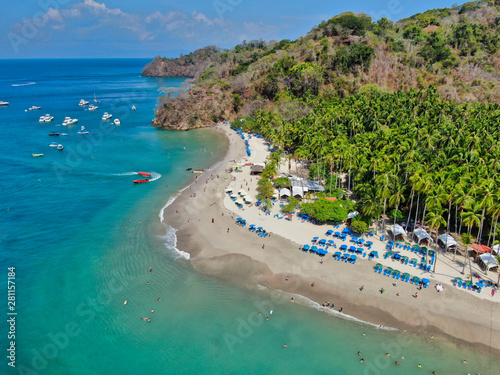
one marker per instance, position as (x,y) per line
(3,104)
(46,118)
(53,144)
(69,121)
(82,130)
(133,108)
(34,108)
(83,102)
(60,147)
(95,99)
(117,122)
(106,116)
(92,107)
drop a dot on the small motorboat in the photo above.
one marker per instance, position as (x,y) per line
(34,108)
(141,181)
(106,116)
(145,174)
(198,170)
(95,99)
(133,108)
(54,134)
(64,134)
(83,103)
(3,104)
(116,121)
(37,155)
(53,144)
(82,130)
(60,147)
(92,107)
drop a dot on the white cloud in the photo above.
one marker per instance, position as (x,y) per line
(202,18)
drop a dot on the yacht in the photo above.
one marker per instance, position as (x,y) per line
(69,121)
(3,104)
(34,108)
(64,134)
(83,102)
(95,99)
(117,122)
(92,107)
(106,116)
(46,118)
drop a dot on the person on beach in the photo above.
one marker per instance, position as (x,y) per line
(313,283)
(362,287)
(416,295)
(262,246)
(227,230)
(213,220)
(382,290)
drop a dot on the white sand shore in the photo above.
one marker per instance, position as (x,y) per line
(229,252)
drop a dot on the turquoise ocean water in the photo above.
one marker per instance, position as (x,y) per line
(82,237)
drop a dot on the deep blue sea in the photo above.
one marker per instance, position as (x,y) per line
(82,237)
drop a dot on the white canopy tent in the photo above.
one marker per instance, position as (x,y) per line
(489,260)
(297,190)
(421,234)
(447,241)
(353,214)
(248,199)
(496,248)
(285,192)
(397,230)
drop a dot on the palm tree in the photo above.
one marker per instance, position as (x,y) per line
(466,240)
(435,219)
(472,219)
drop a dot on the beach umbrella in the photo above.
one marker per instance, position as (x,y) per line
(242,192)
(322,241)
(346,230)
(314,248)
(239,219)
(306,247)
(259,228)
(248,199)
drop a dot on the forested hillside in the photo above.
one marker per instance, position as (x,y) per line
(454,49)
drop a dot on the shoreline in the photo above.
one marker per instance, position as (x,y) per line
(235,255)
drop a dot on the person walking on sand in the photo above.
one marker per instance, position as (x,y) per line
(416,295)
(263,246)
(213,220)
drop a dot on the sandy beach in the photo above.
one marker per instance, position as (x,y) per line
(204,217)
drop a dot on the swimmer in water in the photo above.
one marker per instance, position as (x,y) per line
(464,361)
(359,353)
(419,365)
(285,345)
(362,360)
(387,354)
(125,302)
(396,363)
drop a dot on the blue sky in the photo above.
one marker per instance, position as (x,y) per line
(147,28)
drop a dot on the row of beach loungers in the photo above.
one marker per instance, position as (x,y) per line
(403,276)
